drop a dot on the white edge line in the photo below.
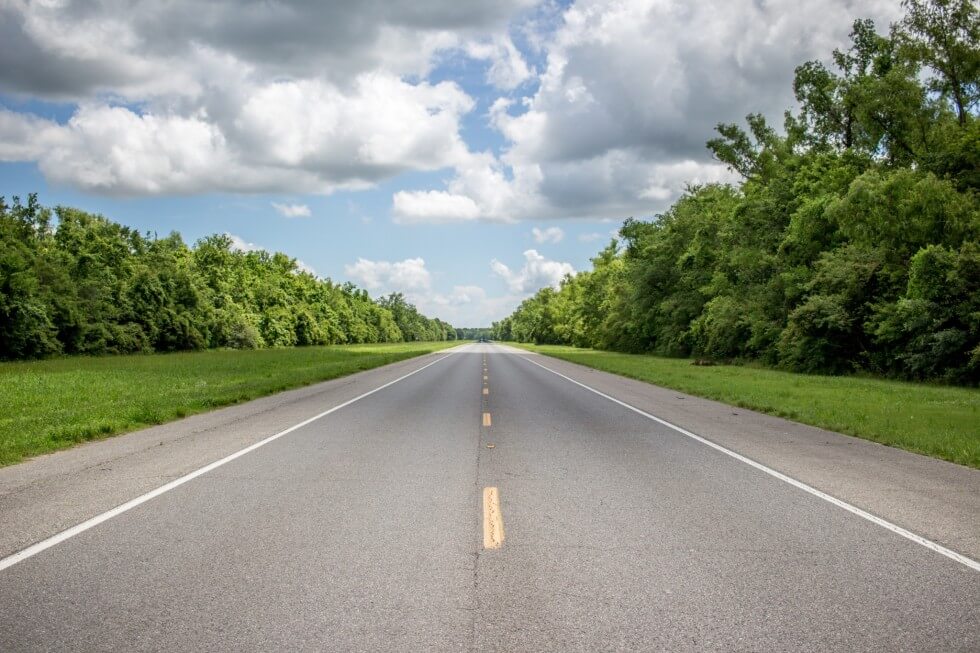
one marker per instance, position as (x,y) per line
(907,534)
(38,547)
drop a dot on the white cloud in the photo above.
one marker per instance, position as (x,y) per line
(466,305)
(458,307)
(508,69)
(24,137)
(106,148)
(433,207)
(536,273)
(589,237)
(275,97)
(297,136)
(463,305)
(291,97)
(460,295)
(655,76)
(399,276)
(549,235)
(292,210)
(631,91)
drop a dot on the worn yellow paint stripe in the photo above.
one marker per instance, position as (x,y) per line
(486,419)
(486,391)
(484,377)
(493,519)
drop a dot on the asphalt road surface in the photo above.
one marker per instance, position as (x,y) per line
(374,527)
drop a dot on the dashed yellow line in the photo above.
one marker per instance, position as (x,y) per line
(486,419)
(493,519)
(486,391)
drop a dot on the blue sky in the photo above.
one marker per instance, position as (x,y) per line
(463,153)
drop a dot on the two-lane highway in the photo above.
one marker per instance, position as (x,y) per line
(483,502)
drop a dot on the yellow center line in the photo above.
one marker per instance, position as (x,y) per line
(493,520)
(486,419)
(486,391)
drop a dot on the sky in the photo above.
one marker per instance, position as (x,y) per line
(463,153)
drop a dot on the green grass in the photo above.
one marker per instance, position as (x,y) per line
(52,404)
(934,420)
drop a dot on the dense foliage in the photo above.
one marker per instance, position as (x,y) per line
(853,242)
(76,283)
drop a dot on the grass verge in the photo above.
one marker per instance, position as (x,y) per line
(935,420)
(53,404)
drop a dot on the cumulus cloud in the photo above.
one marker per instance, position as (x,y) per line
(631,91)
(655,77)
(469,305)
(295,97)
(292,210)
(536,273)
(466,305)
(548,235)
(433,207)
(589,237)
(399,276)
(508,69)
(179,97)
(462,305)
(297,136)
(460,295)
(80,50)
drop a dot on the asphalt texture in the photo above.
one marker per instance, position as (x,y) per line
(363,530)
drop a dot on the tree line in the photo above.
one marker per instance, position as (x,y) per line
(472,333)
(851,244)
(76,283)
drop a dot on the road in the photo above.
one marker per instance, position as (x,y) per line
(367,528)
